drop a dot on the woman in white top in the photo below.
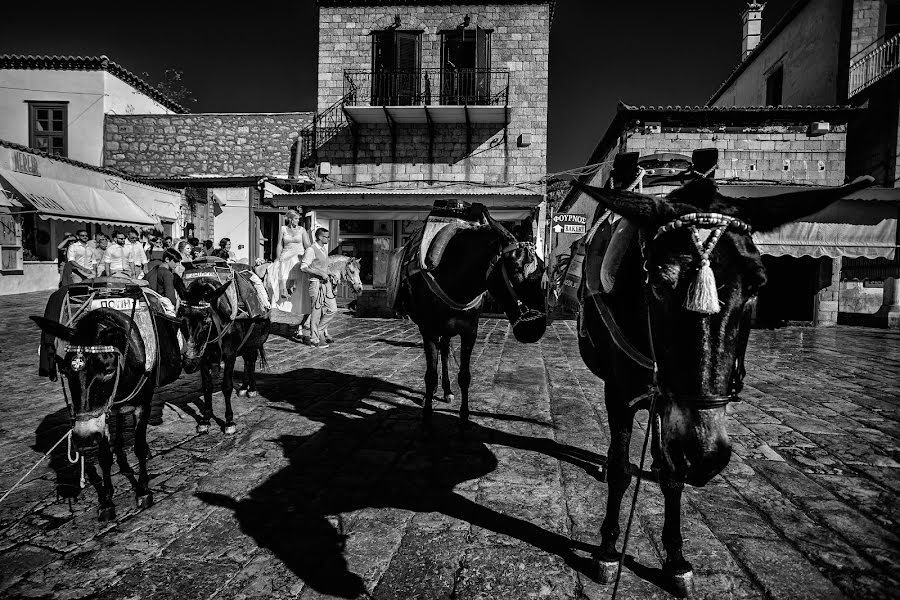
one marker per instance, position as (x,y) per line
(286,282)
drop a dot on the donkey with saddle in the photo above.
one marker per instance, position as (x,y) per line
(114,345)
(224,318)
(666,296)
(440,279)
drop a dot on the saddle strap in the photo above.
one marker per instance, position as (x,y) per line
(436,289)
(618,337)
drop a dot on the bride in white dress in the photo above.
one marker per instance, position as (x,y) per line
(284,279)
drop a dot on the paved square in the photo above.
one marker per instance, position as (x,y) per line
(330,490)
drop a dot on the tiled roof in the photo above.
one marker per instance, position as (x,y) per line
(88,63)
(108,171)
(782,23)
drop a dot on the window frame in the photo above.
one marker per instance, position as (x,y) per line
(775,75)
(33,134)
(478,90)
(401,86)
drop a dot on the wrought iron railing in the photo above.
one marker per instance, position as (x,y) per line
(325,126)
(874,66)
(422,87)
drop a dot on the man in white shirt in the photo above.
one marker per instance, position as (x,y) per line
(117,258)
(136,254)
(324,304)
(80,256)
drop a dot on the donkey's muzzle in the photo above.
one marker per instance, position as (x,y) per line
(695,443)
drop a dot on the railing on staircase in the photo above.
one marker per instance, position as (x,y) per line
(324,126)
(874,66)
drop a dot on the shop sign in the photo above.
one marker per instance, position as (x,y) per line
(570,223)
(114,303)
(25,163)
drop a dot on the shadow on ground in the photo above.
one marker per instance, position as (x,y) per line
(375,455)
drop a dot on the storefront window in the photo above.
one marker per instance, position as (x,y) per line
(357,226)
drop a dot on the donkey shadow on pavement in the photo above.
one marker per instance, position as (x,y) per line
(374,455)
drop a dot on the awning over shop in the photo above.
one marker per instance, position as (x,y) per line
(415,201)
(54,199)
(861,225)
(410,215)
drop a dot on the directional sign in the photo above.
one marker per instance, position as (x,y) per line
(570,223)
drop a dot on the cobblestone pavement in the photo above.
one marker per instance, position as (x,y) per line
(329,489)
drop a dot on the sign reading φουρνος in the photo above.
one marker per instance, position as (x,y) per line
(570,223)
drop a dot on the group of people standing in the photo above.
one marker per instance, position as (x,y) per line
(299,280)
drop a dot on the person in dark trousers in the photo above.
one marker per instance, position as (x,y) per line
(162,280)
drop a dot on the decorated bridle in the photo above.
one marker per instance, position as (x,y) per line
(526,314)
(703,297)
(78,363)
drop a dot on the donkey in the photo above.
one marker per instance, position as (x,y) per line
(104,365)
(212,335)
(446,301)
(676,323)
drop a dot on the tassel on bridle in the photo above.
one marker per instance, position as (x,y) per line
(702,296)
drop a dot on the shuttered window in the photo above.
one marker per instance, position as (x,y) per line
(466,66)
(47,126)
(396,66)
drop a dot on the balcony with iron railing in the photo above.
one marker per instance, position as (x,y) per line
(420,96)
(874,66)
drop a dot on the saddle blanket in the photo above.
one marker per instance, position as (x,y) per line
(242,296)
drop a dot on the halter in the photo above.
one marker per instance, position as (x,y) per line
(78,363)
(526,314)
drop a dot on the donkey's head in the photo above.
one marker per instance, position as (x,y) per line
(204,305)
(102,361)
(515,281)
(703,273)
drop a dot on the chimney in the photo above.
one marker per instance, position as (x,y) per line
(752,20)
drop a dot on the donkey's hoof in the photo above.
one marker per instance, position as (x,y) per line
(606,570)
(230,429)
(202,429)
(242,393)
(684,584)
(107,513)
(252,393)
(145,501)
(449,397)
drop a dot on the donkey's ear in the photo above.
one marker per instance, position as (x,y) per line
(765,214)
(216,293)
(54,328)
(636,207)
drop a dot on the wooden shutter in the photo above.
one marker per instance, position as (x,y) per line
(407,67)
(482,66)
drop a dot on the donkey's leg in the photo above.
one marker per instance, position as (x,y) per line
(445,376)
(466,345)
(618,480)
(227,390)
(675,564)
(431,378)
(106,510)
(143,495)
(206,384)
(119,445)
(249,386)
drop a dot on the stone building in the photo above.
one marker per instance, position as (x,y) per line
(229,164)
(419,101)
(825,52)
(759,151)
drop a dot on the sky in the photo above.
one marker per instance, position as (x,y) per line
(261,56)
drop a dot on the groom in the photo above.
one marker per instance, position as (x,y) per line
(321,291)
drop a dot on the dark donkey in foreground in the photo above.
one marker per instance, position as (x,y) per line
(687,276)
(447,301)
(104,364)
(213,336)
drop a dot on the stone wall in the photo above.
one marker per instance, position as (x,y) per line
(203,144)
(520,42)
(867,25)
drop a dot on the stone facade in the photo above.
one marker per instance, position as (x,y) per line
(867,25)
(519,43)
(217,144)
